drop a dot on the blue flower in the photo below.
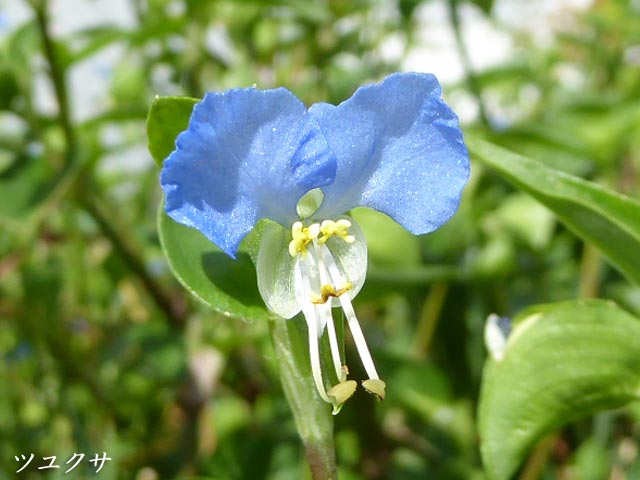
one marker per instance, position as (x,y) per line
(249,154)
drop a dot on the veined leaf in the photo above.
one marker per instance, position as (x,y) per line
(609,220)
(561,362)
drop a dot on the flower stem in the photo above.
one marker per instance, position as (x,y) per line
(311,414)
(57,75)
(590,269)
(429,318)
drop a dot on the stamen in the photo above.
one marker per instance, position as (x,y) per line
(331,331)
(375,386)
(310,312)
(329,228)
(321,270)
(341,370)
(352,320)
(301,236)
(327,291)
(341,392)
(314,315)
(358,337)
(314,353)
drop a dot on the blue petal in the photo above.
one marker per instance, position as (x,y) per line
(399,150)
(247,154)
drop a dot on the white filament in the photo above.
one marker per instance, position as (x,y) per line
(326,309)
(317,269)
(311,315)
(347,307)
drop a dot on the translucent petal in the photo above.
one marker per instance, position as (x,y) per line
(247,154)
(306,281)
(399,150)
(275,271)
(285,282)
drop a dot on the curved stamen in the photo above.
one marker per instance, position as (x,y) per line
(354,325)
(319,281)
(325,312)
(341,370)
(326,309)
(310,312)
(314,353)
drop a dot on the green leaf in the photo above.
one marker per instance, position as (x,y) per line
(524,218)
(9,87)
(228,286)
(561,362)
(485,5)
(607,219)
(24,184)
(168,116)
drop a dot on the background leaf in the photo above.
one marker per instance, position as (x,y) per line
(562,361)
(168,116)
(607,219)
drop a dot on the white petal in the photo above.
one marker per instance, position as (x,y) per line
(275,270)
(306,282)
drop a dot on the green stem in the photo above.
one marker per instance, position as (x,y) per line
(429,318)
(312,415)
(538,459)
(472,79)
(590,267)
(172,307)
(57,74)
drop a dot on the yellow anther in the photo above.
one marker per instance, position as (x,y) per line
(317,299)
(301,236)
(327,291)
(329,228)
(340,393)
(376,387)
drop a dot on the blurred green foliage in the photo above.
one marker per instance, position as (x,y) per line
(102,350)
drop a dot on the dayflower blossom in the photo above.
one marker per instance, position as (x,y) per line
(250,154)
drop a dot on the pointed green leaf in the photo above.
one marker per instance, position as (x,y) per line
(607,219)
(561,362)
(228,286)
(168,116)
